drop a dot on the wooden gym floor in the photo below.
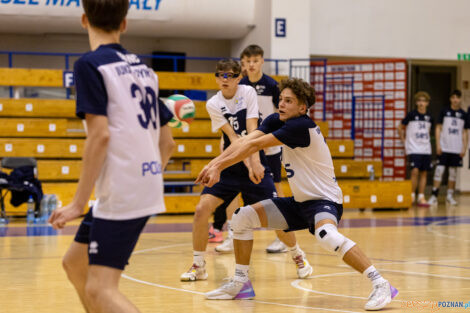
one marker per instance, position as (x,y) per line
(425,253)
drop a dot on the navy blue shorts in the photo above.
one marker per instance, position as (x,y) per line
(274,163)
(301,215)
(229,187)
(450,159)
(110,242)
(420,161)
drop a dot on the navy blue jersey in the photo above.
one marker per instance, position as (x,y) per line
(418,128)
(454,123)
(268,93)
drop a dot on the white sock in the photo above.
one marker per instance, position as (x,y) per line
(450,193)
(374,275)
(295,251)
(198,257)
(420,196)
(230,231)
(241,273)
(413,197)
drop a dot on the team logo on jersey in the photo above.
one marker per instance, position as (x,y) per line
(260,89)
(448,113)
(93,248)
(129,58)
(416,117)
(458,114)
(427,117)
(223,109)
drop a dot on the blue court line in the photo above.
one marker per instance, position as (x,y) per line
(46,230)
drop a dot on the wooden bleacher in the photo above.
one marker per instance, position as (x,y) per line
(48,130)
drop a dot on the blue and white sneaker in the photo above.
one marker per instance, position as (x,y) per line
(232,290)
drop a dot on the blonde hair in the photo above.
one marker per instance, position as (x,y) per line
(422,94)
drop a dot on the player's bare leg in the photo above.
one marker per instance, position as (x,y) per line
(421,187)
(75,263)
(414,183)
(102,291)
(227,245)
(331,240)
(204,209)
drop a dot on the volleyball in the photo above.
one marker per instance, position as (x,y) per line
(183,110)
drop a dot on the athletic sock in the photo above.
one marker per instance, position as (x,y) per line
(241,273)
(435,191)
(295,251)
(374,275)
(198,257)
(420,196)
(450,193)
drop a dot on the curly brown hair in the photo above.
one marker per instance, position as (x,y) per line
(422,94)
(304,92)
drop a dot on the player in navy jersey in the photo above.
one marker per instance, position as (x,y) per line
(317,199)
(414,131)
(234,110)
(451,146)
(127,147)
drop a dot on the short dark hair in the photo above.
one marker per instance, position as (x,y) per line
(302,90)
(106,15)
(252,51)
(457,93)
(422,94)
(227,65)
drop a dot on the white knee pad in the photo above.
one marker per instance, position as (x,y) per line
(452,173)
(244,220)
(440,169)
(331,240)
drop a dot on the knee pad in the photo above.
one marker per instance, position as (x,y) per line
(331,240)
(452,173)
(244,220)
(440,169)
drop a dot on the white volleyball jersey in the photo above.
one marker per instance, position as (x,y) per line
(306,158)
(235,111)
(268,93)
(453,125)
(112,82)
(418,128)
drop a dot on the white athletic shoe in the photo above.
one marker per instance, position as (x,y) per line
(432,200)
(304,269)
(276,246)
(450,200)
(232,290)
(195,273)
(226,246)
(381,296)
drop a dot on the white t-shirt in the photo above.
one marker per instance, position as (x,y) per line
(114,83)
(453,125)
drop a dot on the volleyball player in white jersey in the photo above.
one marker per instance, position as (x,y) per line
(316,202)
(414,131)
(451,146)
(128,145)
(234,110)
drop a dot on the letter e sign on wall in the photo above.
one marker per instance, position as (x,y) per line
(280,27)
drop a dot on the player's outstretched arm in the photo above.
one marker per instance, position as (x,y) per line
(94,154)
(257,172)
(166,144)
(238,150)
